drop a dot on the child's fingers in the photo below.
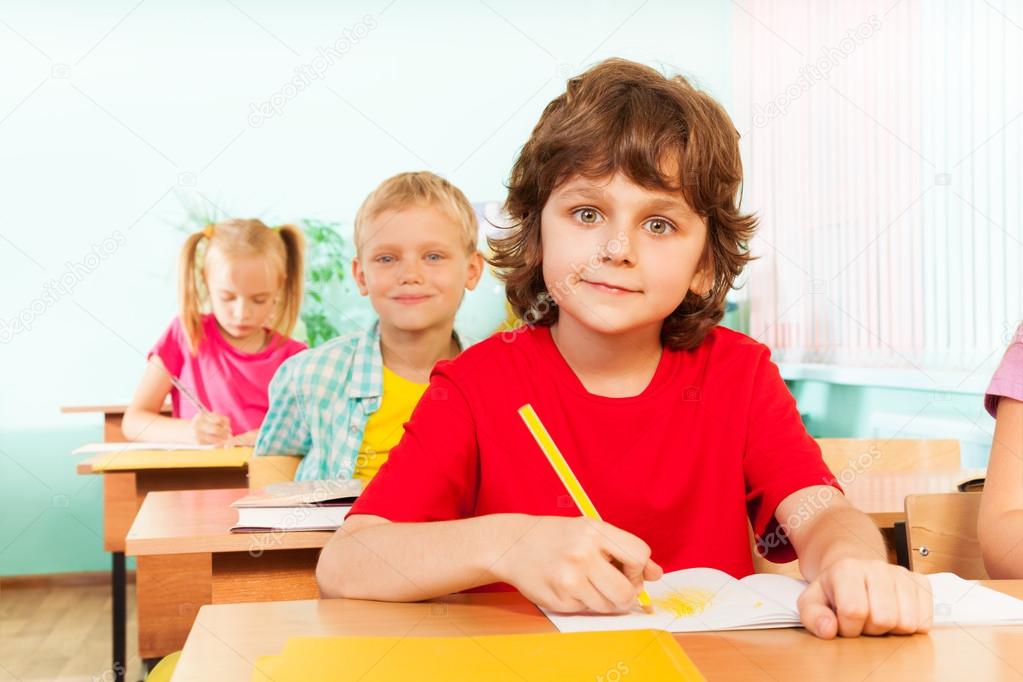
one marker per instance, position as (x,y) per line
(906,590)
(219,423)
(590,595)
(815,612)
(882,602)
(612,584)
(653,571)
(628,550)
(561,597)
(851,604)
(214,430)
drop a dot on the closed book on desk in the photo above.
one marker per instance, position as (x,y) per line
(633,655)
(296,506)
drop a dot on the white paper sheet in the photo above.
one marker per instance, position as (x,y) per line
(96,448)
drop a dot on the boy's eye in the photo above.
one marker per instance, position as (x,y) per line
(434,257)
(260,300)
(659,226)
(587,216)
(385,259)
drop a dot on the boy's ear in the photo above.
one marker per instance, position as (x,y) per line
(359,276)
(475,272)
(703,280)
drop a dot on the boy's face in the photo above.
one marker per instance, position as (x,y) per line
(618,257)
(414,267)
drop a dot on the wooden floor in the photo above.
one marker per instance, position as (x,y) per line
(61,633)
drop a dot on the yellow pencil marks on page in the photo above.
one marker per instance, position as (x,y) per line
(689,601)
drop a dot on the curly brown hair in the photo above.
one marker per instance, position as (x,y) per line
(664,134)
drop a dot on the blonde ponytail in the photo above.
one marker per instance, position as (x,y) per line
(189,293)
(294,268)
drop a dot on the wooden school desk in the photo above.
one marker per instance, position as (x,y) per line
(227,639)
(187,556)
(123,494)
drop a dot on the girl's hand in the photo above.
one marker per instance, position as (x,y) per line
(851,597)
(210,428)
(571,564)
(247,439)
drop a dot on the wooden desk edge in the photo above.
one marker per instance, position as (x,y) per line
(85,467)
(104,409)
(203,629)
(220,543)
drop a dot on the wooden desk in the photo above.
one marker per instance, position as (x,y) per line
(187,557)
(227,639)
(123,495)
(112,417)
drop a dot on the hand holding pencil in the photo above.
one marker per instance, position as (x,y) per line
(593,565)
(207,427)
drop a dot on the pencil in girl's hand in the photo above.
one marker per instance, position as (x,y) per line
(188,394)
(579,496)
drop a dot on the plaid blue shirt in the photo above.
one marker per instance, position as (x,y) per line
(320,401)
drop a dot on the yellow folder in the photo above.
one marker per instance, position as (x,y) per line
(620,655)
(130,460)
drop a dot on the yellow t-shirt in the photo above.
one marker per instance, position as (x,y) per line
(385,427)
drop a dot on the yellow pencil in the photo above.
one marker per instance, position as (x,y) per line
(579,496)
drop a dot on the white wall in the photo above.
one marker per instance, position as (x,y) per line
(113,113)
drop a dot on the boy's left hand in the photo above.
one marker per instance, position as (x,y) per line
(851,597)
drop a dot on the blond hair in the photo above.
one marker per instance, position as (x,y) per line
(283,247)
(420,188)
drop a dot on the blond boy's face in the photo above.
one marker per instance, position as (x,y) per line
(618,257)
(414,266)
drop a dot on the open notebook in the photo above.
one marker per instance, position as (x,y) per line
(704,599)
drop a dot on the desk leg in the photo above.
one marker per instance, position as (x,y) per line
(901,544)
(120,614)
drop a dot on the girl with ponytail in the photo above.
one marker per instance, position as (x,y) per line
(240,291)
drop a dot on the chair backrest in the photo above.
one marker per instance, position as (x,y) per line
(877,455)
(942,534)
(894,454)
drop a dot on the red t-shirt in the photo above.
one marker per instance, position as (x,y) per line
(714,439)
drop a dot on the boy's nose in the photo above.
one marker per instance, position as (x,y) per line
(409,275)
(618,248)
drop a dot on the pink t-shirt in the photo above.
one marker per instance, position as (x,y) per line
(228,381)
(1008,379)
